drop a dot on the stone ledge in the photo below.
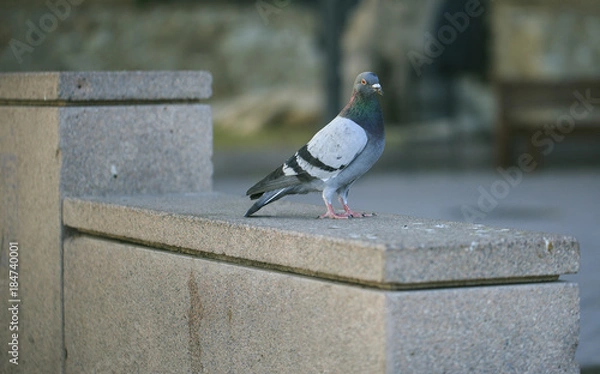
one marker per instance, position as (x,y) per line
(387,251)
(105,86)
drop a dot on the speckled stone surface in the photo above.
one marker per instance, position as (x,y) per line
(529,328)
(130,308)
(386,251)
(129,149)
(135,86)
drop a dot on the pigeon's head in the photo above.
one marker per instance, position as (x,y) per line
(367,84)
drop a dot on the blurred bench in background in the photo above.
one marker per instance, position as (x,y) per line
(544,112)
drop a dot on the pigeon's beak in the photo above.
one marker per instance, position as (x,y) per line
(377,88)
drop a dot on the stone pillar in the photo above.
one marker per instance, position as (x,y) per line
(75,134)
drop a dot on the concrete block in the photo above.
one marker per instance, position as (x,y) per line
(135,149)
(105,86)
(133,309)
(528,328)
(387,251)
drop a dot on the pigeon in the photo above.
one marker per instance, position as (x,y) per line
(336,156)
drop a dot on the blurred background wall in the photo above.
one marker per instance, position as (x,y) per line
(289,64)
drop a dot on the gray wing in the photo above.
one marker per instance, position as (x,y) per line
(329,152)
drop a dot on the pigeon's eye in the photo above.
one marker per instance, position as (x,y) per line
(363,82)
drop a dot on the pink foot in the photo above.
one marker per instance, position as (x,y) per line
(353,214)
(348,213)
(332,214)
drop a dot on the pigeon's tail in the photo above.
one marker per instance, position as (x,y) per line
(267,198)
